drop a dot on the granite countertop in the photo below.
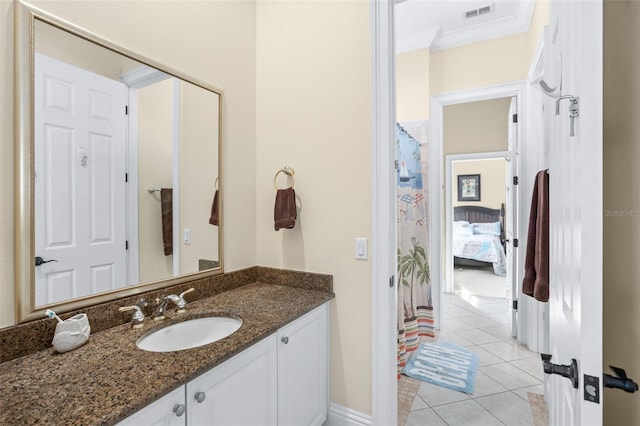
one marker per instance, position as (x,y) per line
(109,378)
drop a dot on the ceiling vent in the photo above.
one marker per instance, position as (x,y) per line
(479,11)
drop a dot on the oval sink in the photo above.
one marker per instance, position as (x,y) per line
(189,334)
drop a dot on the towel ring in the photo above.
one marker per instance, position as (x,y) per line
(287,170)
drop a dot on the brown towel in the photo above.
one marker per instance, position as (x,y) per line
(284,211)
(166,204)
(536,263)
(215,215)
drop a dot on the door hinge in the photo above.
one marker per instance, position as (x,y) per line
(126,244)
(515,304)
(126,110)
(515,242)
(514,118)
(396,165)
(126,177)
(392,281)
(516,180)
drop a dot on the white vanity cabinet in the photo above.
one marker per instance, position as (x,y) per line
(170,410)
(281,380)
(241,391)
(303,370)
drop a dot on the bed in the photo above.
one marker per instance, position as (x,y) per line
(479,238)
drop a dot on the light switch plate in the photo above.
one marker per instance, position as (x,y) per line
(361,248)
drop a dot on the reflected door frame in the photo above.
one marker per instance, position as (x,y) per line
(138,79)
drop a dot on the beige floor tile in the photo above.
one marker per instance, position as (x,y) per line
(508,408)
(466,413)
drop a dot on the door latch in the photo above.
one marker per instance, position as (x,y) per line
(569,371)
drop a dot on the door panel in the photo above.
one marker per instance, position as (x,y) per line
(575,301)
(80,164)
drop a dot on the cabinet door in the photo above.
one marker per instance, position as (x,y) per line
(241,391)
(303,370)
(166,411)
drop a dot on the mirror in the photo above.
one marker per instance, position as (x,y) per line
(118,169)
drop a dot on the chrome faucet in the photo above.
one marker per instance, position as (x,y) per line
(138,317)
(161,305)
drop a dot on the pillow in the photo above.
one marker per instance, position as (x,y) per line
(462,228)
(491,228)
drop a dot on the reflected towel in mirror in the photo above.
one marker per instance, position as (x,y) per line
(166,204)
(215,213)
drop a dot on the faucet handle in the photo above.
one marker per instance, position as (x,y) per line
(182,304)
(137,318)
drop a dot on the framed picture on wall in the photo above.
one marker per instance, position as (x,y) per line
(468,187)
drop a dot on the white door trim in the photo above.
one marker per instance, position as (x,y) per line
(384,380)
(448,217)
(436,176)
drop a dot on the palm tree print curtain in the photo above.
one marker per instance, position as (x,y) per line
(415,308)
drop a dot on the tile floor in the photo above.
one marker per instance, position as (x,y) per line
(506,373)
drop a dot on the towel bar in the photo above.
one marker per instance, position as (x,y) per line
(287,170)
(152,189)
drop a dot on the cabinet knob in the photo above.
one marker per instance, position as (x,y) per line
(285,340)
(200,396)
(179,409)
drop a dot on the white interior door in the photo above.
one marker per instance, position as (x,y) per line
(79,158)
(575,47)
(511,220)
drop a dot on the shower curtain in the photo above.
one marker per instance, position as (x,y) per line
(415,308)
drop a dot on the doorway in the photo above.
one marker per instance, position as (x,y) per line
(477,259)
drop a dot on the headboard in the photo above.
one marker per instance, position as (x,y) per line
(479,214)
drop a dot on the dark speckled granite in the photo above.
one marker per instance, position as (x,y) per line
(24,339)
(109,378)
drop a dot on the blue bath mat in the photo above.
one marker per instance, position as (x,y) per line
(445,364)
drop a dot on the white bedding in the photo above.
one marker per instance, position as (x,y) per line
(479,246)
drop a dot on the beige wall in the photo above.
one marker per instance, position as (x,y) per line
(198,173)
(476,127)
(155,145)
(493,178)
(412,85)
(621,334)
(214,42)
(314,114)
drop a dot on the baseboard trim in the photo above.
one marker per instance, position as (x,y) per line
(343,416)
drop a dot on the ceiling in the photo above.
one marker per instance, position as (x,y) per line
(441,24)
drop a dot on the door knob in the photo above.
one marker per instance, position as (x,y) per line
(40,261)
(619,382)
(569,371)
